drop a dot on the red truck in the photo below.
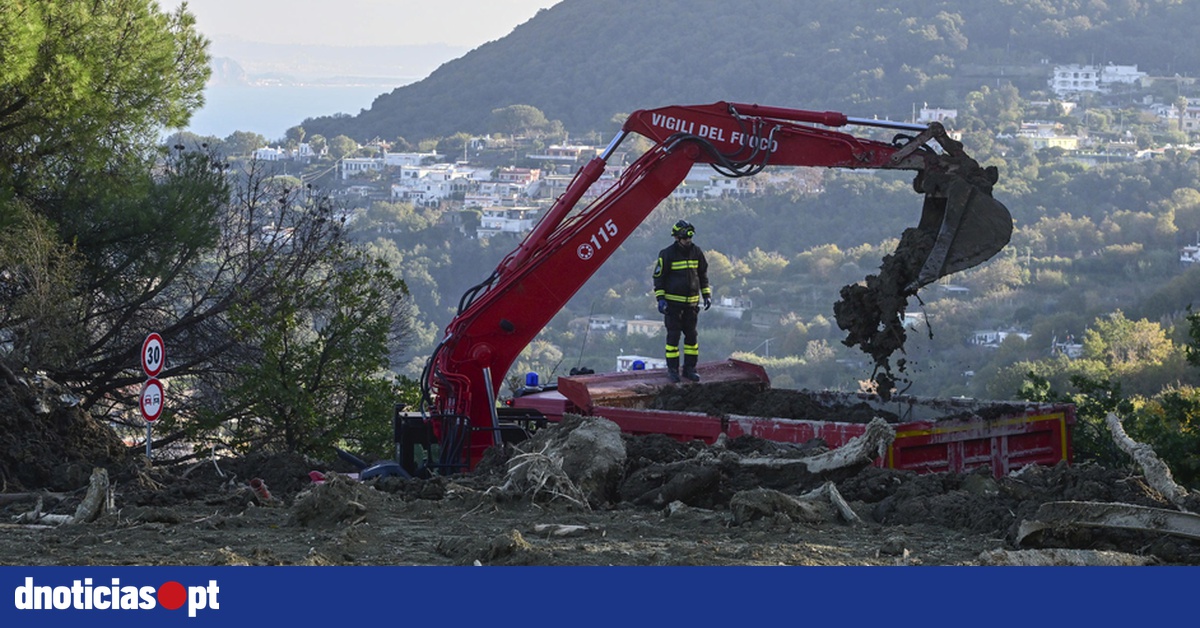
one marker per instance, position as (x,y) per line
(931,434)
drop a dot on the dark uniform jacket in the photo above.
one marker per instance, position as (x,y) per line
(681,275)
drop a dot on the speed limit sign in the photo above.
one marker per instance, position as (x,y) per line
(151,400)
(154,355)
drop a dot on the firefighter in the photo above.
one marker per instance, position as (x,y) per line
(681,285)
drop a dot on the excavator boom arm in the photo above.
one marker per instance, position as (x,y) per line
(761,136)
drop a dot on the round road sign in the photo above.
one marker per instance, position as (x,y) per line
(151,400)
(154,355)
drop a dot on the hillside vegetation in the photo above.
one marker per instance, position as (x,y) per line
(584,61)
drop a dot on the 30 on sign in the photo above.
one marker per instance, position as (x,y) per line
(154,355)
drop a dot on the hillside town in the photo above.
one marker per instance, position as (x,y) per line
(500,184)
(509,197)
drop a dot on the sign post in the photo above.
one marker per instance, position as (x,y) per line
(150,401)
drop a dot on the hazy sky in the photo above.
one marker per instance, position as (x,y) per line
(468,23)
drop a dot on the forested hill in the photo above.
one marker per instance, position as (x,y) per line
(583,61)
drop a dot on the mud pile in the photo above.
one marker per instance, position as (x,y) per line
(872,313)
(47,441)
(748,399)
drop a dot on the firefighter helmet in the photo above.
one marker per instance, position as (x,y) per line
(683,229)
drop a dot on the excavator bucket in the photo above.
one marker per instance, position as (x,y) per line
(961,226)
(968,227)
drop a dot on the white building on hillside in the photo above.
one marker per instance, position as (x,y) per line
(564,153)
(936,114)
(1120,75)
(395,160)
(269,154)
(1076,78)
(352,166)
(992,338)
(431,184)
(514,220)
(732,307)
(644,327)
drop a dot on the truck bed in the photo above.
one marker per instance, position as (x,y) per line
(932,434)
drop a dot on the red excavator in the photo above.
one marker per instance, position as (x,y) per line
(459,416)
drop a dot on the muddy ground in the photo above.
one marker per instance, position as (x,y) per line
(207,514)
(196,516)
(666,503)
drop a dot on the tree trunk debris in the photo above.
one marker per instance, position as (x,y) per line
(872,444)
(811,507)
(1064,516)
(97,501)
(1060,519)
(561,529)
(1157,474)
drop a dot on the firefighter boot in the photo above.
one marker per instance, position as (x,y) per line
(689,368)
(673,369)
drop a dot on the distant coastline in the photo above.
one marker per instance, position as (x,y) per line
(271,109)
(270,88)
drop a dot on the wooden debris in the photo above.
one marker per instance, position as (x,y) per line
(1157,474)
(1068,515)
(688,480)
(537,473)
(33,516)
(97,501)
(872,444)
(828,491)
(561,529)
(25,526)
(811,507)
(97,498)
(582,459)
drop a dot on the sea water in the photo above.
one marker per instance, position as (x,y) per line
(271,110)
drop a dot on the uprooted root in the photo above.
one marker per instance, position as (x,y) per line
(538,475)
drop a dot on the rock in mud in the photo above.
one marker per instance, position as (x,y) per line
(872,312)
